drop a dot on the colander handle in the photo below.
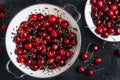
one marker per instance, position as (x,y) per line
(79,15)
(13,74)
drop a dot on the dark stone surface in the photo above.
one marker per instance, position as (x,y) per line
(110,62)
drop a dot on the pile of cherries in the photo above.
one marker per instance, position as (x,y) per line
(89,60)
(44,42)
(106,17)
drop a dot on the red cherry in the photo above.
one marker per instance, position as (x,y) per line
(1,15)
(39,47)
(94,8)
(71,35)
(81,69)
(117,31)
(41,63)
(48,37)
(108,24)
(97,22)
(34,67)
(90,72)
(110,13)
(24,24)
(62,52)
(54,33)
(28,62)
(4,27)
(40,17)
(36,24)
(84,56)
(38,40)
(33,17)
(64,24)
(58,20)
(50,54)
(18,51)
(95,48)
(54,47)
(69,54)
(73,42)
(105,35)
(99,30)
(21,59)
(66,41)
(17,39)
(105,8)
(61,62)
(55,25)
(46,24)
(111,30)
(57,57)
(50,60)
(113,7)
(99,4)
(50,28)
(28,46)
(1,6)
(52,18)
(24,35)
(98,60)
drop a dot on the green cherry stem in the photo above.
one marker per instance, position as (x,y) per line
(104,42)
(99,69)
(116,46)
(88,47)
(91,55)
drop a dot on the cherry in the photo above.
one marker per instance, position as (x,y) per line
(50,54)
(50,60)
(28,46)
(1,15)
(34,67)
(117,53)
(113,7)
(39,47)
(98,60)
(53,66)
(41,63)
(84,56)
(94,8)
(58,20)
(36,24)
(54,33)
(95,47)
(48,37)
(24,24)
(105,8)
(99,4)
(58,57)
(56,25)
(21,59)
(4,27)
(108,24)
(90,72)
(28,62)
(50,28)
(61,62)
(24,35)
(54,47)
(93,1)
(33,17)
(46,24)
(43,51)
(99,30)
(17,39)
(73,42)
(1,6)
(97,22)
(64,24)
(111,30)
(69,54)
(110,13)
(66,41)
(18,51)
(81,69)
(71,35)
(105,35)
(52,18)
(62,52)
(40,17)
(117,31)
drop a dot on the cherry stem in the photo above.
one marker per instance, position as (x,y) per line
(86,66)
(113,38)
(88,47)
(105,2)
(8,11)
(104,42)
(62,14)
(91,55)
(99,69)
(2,38)
(116,46)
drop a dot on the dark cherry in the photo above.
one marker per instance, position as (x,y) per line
(34,67)
(41,63)
(61,62)
(97,60)
(84,56)
(90,72)
(81,69)
(95,47)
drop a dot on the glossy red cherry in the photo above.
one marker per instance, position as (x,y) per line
(95,47)
(33,17)
(99,30)
(113,7)
(54,33)
(66,41)
(50,54)
(90,72)
(18,51)
(28,62)
(50,60)
(40,17)
(93,1)
(46,24)
(34,67)
(117,31)
(52,18)
(84,56)
(21,59)
(62,52)
(58,57)
(4,27)
(111,30)
(64,24)
(61,62)
(54,46)
(99,4)
(41,63)
(39,47)
(69,54)
(28,46)
(105,35)
(17,39)
(58,20)
(98,60)
(81,69)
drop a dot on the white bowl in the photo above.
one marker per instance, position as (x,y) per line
(22,16)
(91,26)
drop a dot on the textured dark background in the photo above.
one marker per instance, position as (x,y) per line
(110,62)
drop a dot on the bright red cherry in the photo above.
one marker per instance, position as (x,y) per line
(46,24)
(81,69)
(17,39)
(40,17)
(93,1)
(99,4)
(95,47)
(33,17)
(99,30)
(21,59)
(52,18)
(62,52)
(41,63)
(50,60)
(84,56)
(69,54)
(54,33)
(54,46)
(111,30)
(50,54)
(57,57)
(117,31)
(18,51)
(28,46)
(98,60)
(39,47)
(113,7)
(64,24)
(28,62)
(66,41)
(58,20)
(105,35)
